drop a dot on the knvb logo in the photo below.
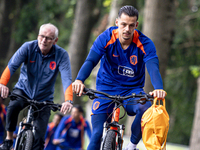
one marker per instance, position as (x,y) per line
(52,65)
(126,71)
(133,59)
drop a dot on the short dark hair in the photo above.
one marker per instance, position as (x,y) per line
(80,109)
(59,114)
(128,10)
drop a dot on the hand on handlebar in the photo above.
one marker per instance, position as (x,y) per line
(77,87)
(66,107)
(159,93)
(4,90)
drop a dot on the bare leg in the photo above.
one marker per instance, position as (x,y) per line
(9,135)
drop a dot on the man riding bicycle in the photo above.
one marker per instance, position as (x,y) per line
(124,51)
(41,61)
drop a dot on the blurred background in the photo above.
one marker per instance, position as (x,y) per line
(173,26)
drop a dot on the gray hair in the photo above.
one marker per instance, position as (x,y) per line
(49,24)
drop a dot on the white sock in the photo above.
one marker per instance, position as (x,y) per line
(131,146)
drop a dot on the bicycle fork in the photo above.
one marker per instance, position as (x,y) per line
(23,126)
(114,125)
(117,126)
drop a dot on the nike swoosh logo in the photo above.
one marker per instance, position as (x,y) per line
(115,55)
(32,61)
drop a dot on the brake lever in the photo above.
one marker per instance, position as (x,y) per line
(90,94)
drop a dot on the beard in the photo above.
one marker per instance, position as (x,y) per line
(125,37)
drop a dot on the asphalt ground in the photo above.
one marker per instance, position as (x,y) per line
(141,146)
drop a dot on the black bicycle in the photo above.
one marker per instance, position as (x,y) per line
(113,132)
(26,132)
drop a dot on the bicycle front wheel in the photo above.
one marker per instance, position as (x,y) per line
(110,141)
(26,140)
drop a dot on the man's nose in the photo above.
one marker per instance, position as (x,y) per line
(127,28)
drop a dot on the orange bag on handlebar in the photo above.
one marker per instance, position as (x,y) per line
(155,126)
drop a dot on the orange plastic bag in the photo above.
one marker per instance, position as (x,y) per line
(155,126)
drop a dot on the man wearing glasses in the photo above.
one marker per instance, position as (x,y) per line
(41,61)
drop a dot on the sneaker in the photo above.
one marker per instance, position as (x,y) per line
(131,146)
(6,145)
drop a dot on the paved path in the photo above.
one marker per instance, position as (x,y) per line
(169,146)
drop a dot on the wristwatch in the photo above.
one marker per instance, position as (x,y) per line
(69,101)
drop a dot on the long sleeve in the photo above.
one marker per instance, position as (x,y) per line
(66,76)
(15,62)
(90,62)
(153,70)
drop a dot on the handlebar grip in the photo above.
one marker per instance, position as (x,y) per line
(85,89)
(150,96)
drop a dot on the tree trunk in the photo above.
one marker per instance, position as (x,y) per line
(159,21)
(195,136)
(85,18)
(10,11)
(6,22)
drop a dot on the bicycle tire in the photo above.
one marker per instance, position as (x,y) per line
(110,141)
(26,141)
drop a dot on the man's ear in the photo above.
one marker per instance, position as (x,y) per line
(56,40)
(137,24)
(116,22)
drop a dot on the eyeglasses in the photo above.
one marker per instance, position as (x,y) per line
(46,38)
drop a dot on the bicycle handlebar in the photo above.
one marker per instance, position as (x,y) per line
(143,97)
(53,106)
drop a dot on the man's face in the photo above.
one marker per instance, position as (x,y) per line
(56,119)
(75,114)
(126,26)
(46,39)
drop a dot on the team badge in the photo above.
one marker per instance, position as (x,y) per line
(133,59)
(96,105)
(52,65)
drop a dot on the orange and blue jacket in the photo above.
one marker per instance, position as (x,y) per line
(72,132)
(38,72)
(3,111)
(51,128)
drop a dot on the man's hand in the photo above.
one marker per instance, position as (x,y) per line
(77,87)
(160,94)
(57,141)
(4,90)
(66,107)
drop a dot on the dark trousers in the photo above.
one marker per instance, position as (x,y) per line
(40,120)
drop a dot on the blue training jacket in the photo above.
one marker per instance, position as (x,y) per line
(38,72)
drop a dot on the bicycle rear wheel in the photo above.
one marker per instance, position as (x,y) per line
(26,141)
(110,141)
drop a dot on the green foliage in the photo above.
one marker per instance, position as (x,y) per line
(195,71)
(180,83)
(180,104)
(107,3)
(26,24)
